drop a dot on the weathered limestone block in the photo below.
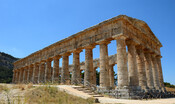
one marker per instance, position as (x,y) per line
(111,76)
(132,64)
(55,72)
(122,62)
(88,75)
(48,70)
(104,65)
(148,67)
(155,72)
(76,67)
(141,68)
(160,72)
(65,76)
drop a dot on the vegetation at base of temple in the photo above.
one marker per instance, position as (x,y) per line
(52,95)
(169,85)
(28,94)
(6,67)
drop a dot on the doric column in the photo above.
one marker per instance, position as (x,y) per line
(33,74)
(41,71)
(88,74)
(20,75)
(122,62)
(155,72)
(14,75)
(132,64)
(28,74)
(65,76)
(31,67)
(55,72)
(160,72)
(148,68)
(141,68)
(24,74)
(48,70)
(111,76)
(104,65)
(76,67)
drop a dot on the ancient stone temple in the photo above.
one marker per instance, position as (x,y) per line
(138,58)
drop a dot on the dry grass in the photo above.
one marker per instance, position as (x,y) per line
(51,95)
(4,88)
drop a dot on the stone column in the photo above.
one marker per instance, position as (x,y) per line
(28,74)
(122,62)
(20,75)
(55,73)
(48,70)
(160,72)
(132,64)
(65,76)
(24,74)
(111,76)
(155,72)
(14,74)
(17,77)
(88,74)
(31,73)
(76,67)
(148,68)
(141,68)
(41,71)
(104,65)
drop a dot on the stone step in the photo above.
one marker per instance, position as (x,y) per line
(98,96)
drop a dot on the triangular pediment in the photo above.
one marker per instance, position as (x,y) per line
(142,26)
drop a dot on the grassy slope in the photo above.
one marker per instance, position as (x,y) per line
(44,95)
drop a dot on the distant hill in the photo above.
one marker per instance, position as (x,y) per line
(6,67)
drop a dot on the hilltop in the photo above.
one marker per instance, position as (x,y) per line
(6,67)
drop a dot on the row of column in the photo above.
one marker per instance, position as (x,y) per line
(144,67)
(139,68)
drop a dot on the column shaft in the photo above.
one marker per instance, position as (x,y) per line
(48,70)
(24,72)
(141,68)
(122,63)
(88,74)
(155,72)
(65,76)
(76,68)
(132,64)
(104,66)
(55,73)
(148,68)
(111,76)
(160,72)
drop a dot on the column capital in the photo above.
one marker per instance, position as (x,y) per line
(66,54)
(77,51)
(89,47)
(120,37)
(49,59)
(104,42)
(57,57)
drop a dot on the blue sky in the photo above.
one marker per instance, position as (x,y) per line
(29,25)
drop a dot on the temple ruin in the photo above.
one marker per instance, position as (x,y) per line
(138,58)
